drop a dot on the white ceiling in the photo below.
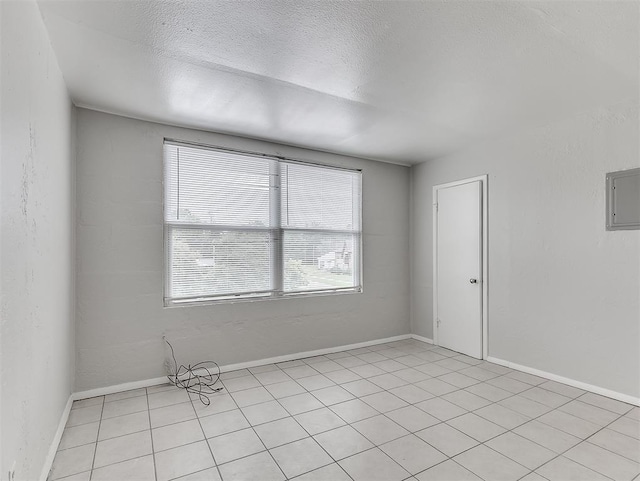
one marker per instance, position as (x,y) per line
(396,81)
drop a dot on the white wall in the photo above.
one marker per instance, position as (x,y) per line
(120,314)
(37,334)
(563,292)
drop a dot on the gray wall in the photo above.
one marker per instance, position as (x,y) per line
(36,242)
(120,314)
(563,292)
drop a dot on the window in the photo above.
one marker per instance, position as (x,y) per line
(242,225)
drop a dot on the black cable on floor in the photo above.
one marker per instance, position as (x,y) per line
(198,379)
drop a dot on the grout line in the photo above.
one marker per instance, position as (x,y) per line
(153,450)
(578,444)
(206,440)
(95,451)
(256,434)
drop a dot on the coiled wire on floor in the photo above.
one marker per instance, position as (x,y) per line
(198,379)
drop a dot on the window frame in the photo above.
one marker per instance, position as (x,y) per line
(277,234)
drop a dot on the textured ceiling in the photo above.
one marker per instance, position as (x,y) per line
(395,81)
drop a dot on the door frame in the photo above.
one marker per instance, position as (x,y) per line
(484,252)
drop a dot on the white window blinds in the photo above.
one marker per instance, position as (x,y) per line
(248,225)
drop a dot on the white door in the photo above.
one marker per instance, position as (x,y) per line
(459,268)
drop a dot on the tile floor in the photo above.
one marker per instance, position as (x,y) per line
(404,410)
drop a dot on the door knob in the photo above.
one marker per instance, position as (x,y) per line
(473,281)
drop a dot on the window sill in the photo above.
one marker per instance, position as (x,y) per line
(238,300)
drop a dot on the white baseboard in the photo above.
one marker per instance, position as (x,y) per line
(421,338)
(565,380)
(53,449)
(317,352)
(127,386)
(242,365)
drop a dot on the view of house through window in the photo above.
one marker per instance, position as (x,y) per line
(248,225)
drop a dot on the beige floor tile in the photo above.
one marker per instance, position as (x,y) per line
(502,416)
(300,403)
(125,406)
(384,401)
(525,406)
(125,394)
(299,372)
(354,410)
(589,412)
(264,412)
(509,384)
(284,389)
(241,383)
(218,403)
(183,460)
(441,409)
(607,403)
(171,414)
(121,425)
(388,381)
(342,376)
(251,396)
(447,471)
(318,381)
(604,462)
(436,387)
(167,398)
(521,450)
(272,377)
(84,415)
(223,423)
(466,400)
(258,467)
(300,457)
(447,439)
(548,398)
(78,435)
(411,394)
(489,392)
(547,436)
(332,395)
(459,380)
(380,429)
(232,446)
(122,448)
(478,428)
(175,435)
(490,465)
(138,469)
(412,453)
(343,442)
(280,432)
(526,377)
(389,365)
(626,425)
(569,423)
(618,443)
(421,389)
(332,472)
(361,387)
(72,461)
(210,474)
(564,389)
(320,420)
(412,419)
(373,465)
(564,469)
